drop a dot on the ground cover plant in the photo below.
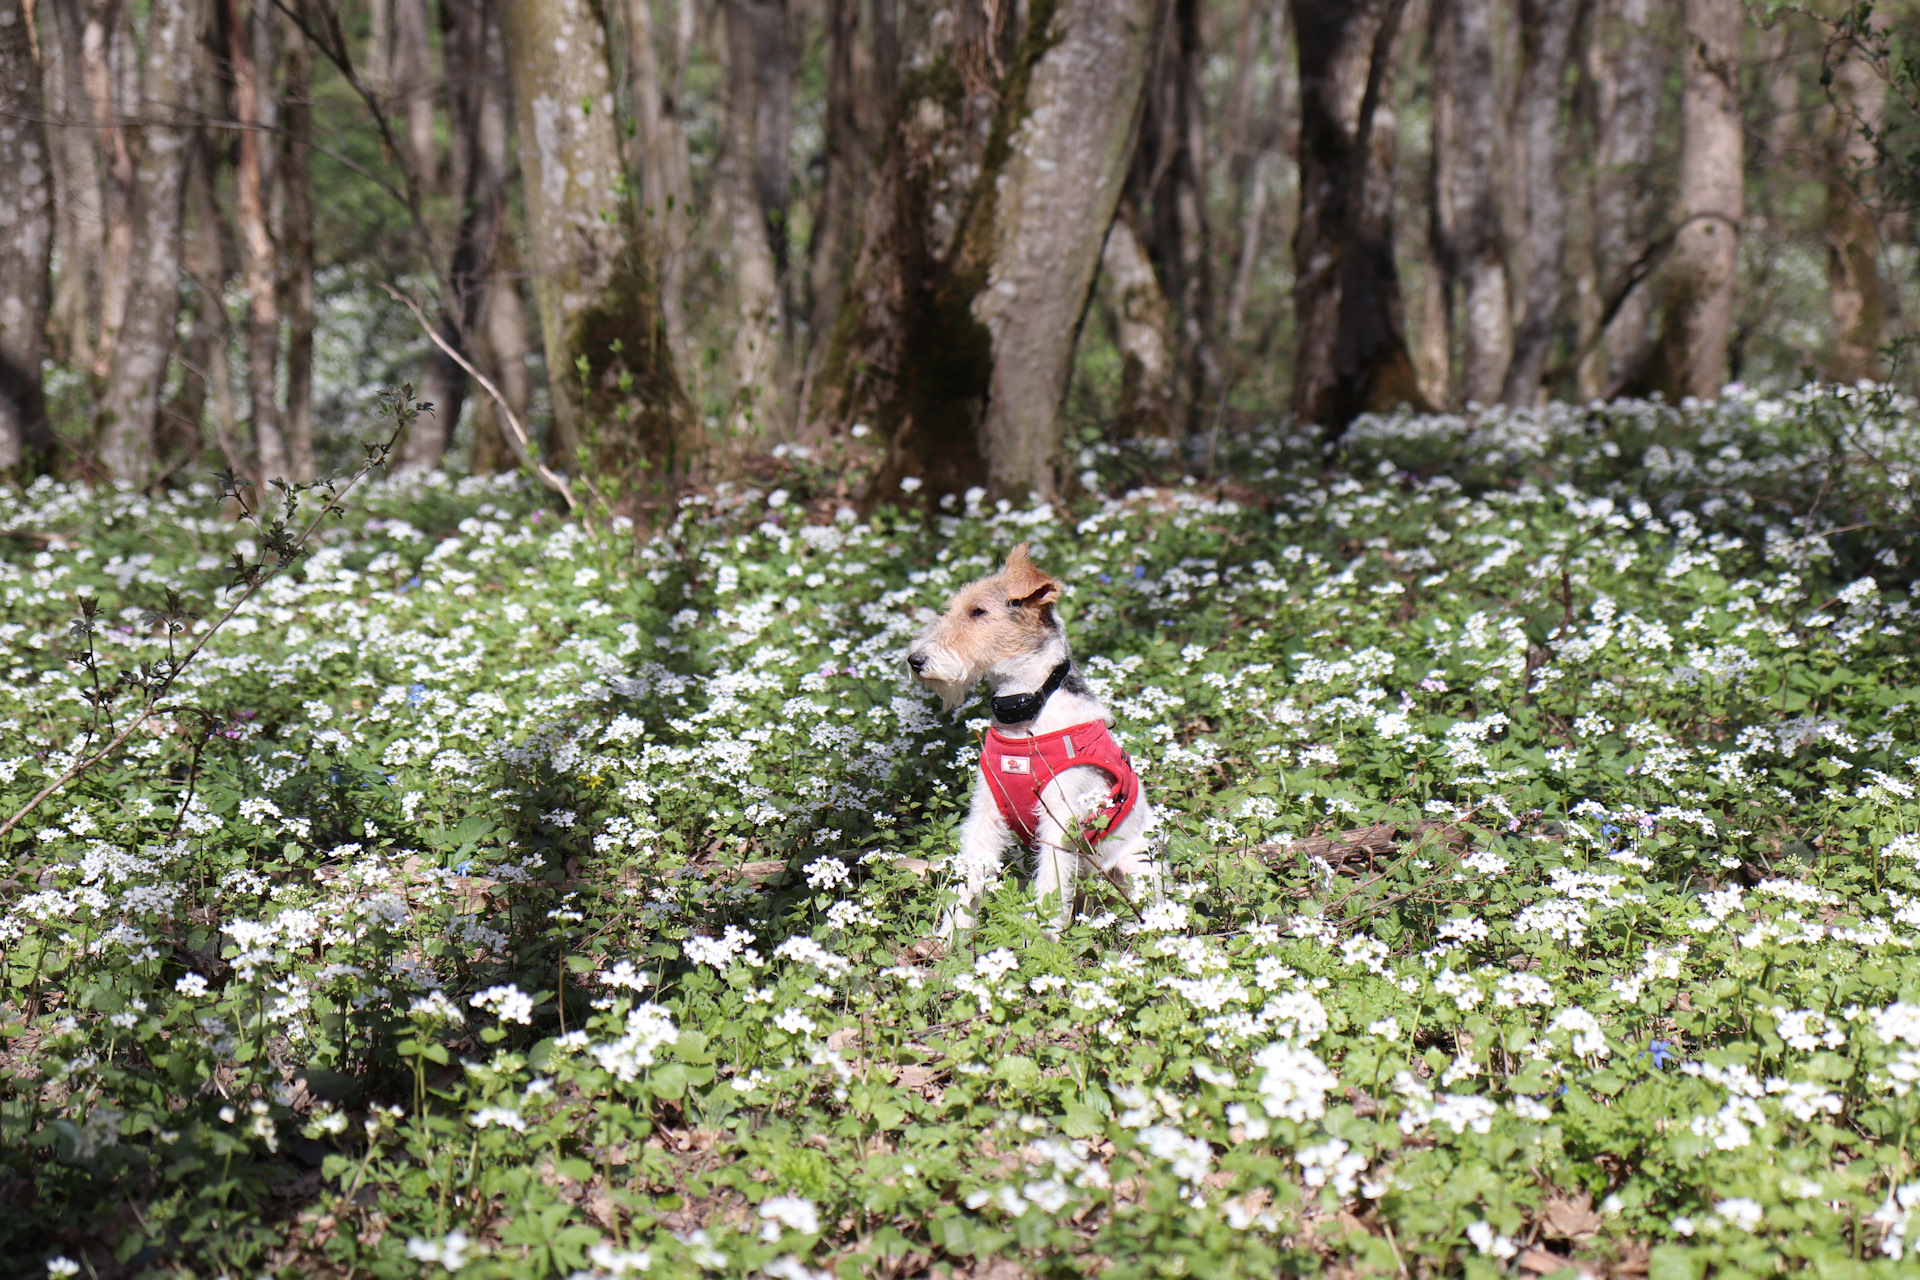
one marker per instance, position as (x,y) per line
(508,896)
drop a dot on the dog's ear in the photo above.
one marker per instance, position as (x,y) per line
(1025,584)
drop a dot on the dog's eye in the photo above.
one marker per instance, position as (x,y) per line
(978,613)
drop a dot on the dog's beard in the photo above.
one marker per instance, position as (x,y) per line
(952,692)
(944,677)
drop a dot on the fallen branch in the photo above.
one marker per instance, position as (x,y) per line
(1364,843)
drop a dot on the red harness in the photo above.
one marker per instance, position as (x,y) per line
(1016,769)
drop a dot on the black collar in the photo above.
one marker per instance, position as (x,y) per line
(1018,708)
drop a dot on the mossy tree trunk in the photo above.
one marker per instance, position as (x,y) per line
(984,230)
(617,406)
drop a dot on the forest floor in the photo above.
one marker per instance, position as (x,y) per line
(505,896)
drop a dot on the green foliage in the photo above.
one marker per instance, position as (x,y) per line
(515,899)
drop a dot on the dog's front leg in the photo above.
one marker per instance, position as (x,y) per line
(984,838)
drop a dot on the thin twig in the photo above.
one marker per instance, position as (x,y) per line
(522,444)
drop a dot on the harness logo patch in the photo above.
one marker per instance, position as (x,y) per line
(1015,764)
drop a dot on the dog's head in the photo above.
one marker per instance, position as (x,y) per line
(997,626)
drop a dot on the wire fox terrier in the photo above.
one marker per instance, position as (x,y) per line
(1051,775)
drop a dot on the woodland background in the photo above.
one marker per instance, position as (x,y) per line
(918,240)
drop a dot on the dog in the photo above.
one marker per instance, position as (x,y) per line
(1051,777)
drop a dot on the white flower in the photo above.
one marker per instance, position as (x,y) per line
(1488,1242)
(505,1117)
(827,873)
(450,1252)
(508,1002)
(1295,1083)
(909,484)
(1740,1211)
(648,1027)
(191,984)
(62,1266)
(1189,1158)
(795,1213)
(1331,1162)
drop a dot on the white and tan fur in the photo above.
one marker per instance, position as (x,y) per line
(1004,630)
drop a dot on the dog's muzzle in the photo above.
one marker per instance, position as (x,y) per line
(918,661)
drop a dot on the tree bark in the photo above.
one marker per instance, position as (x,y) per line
(413,85)
(982,235)
(110,69)
(1854,301)
(1145,325)
(608,366)
(1465,208)
(1351,353)
(1168,185)
(1546,42)
(1267,131)
(1052,203)
(207,265)
(666,178)
(259,258)
(26,244)
(750,193)
(1627,66)
(78,231)
(296,280)
(130,402)
(1690,358)
(835,227)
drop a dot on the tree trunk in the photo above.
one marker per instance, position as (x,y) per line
(26,244)
(78,231)
(1267,131)
(413,85)
(983,233)
(1052,203)
(666,181)
(1465,209)
(129,405)
(1168,185)
(207,266)
(751,195)
(1691,356)
(260,260)
(1546,42)
(296,185)
(835,227)
(484,275)
(110,68)
(608,366)
(1628,70)
(1853,244)
(1140,311)
(1352,350)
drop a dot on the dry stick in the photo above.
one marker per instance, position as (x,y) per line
(153,708)
(522,445)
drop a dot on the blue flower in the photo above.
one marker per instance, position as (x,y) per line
(416,694)
(1610,831)
(1139,571)
(1104,578)
(1660,1052)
